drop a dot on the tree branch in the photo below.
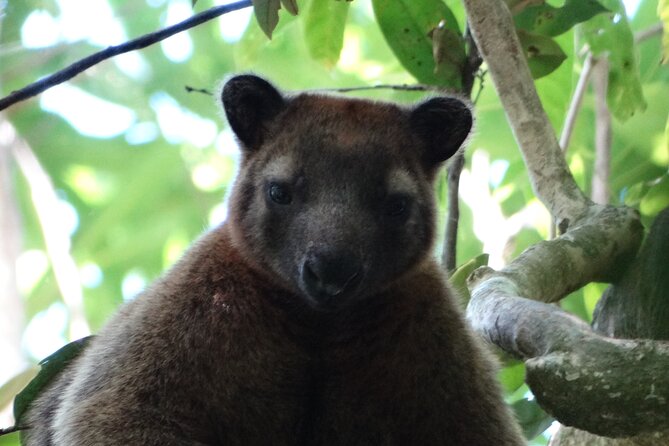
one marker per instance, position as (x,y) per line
(135,44)
(568,436)
(449,252)
(572,114)
(571,369)
(399,87)
(600,178)
(492,28)
(604,385)
(651,31)
(595,248)
(575,104)
(9,430)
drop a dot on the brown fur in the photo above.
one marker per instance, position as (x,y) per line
(231,348)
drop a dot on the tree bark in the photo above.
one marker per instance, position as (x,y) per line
(495,35)
(603,133)
(607,386)
(568,436)
(449,254)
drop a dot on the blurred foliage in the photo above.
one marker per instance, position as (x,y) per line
(610,34)
(414,30)
(324,24)
(140,196)
(663,12)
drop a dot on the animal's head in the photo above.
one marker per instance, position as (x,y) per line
(335,196)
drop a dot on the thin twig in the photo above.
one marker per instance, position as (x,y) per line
(480,75)
(190,89)
(600,179)
(575,105)
(141,42)
(400,87)
(497,40)
(449,253)
(9,430)
(472,63)
(572,113)
(469,74)
(645,34)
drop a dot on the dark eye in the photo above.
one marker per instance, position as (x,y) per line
(280,194)
(397,206)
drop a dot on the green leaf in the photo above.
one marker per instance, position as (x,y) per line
(9,389)
(551,21)
(267,14)
(512,377)
(663,13)
(657,197)
(543,54)
(531,417)
(448,52)
(407,26)
(324,29)
(291,6)
(459,277)
(52,365)
(631,196)
(12,439)
(665,144)
(610,34)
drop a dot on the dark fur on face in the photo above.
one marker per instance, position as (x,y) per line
(331,188)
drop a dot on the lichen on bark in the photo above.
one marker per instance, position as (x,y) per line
(607,386)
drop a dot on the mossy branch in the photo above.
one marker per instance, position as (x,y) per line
(604,385)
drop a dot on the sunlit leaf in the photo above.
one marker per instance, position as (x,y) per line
(663,12)
(512,376)
(459,277)
(324,29)
(407,26)
(665,143)
(52,365)
(543,54)
(657,197)
(551,21)
(291,6)
(632,195)
(610,34)
(267,14)
(592,293)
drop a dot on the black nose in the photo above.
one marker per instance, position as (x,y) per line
(326,274)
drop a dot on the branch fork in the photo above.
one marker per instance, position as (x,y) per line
(607,386)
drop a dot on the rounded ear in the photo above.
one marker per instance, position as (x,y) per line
(250,103)
(443,123)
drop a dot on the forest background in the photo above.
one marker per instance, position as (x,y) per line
(107,178)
